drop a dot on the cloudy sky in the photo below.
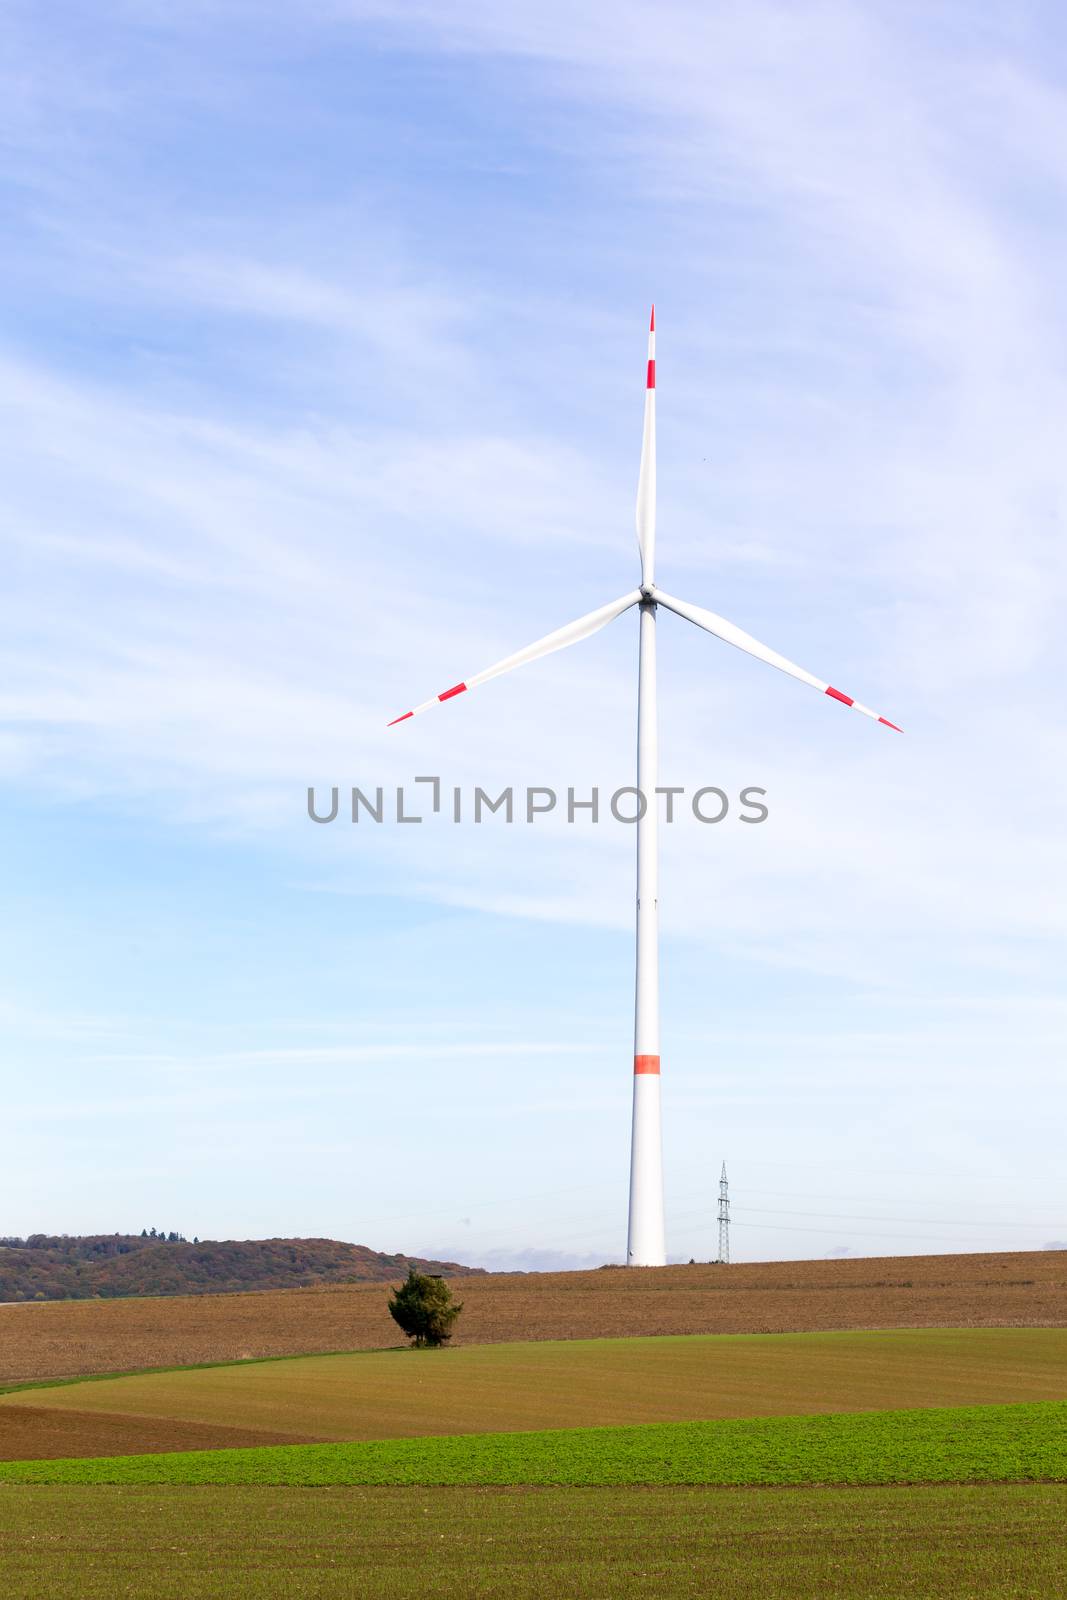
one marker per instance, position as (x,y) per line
(321,381)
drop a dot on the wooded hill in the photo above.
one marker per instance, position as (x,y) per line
(62,1267)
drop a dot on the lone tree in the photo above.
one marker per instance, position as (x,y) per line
(423,1307)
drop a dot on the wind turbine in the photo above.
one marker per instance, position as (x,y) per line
(645,1242)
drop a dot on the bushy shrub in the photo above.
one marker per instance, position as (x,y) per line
(423,1307)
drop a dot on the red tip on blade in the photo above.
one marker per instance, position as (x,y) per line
(404,718)
(651,375)
(887,724)
(846,700)
(458,689)
(652,322)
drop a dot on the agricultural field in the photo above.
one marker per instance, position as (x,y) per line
(532,1386)
(964,1444)
(73,1338)
(869,1463)
(854,1428)
(946,1542)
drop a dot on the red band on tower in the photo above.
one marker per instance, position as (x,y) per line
(646,1065)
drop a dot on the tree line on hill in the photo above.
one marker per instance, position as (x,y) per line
(107,1266)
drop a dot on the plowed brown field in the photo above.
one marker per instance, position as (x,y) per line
(39,1432)
(72,1338)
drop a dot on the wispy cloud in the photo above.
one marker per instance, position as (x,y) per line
(320,393)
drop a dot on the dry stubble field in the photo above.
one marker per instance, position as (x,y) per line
(73,1338)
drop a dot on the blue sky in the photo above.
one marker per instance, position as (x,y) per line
(321,378)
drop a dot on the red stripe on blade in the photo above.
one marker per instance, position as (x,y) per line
(459,688)
(404,718)
(652,321)
(651,375)
(646,1065)
(887,724)
(844,698)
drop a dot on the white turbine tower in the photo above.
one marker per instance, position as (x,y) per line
(645,1244)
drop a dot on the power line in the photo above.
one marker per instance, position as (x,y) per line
(838,1233)
(938,1222)
(808,1194)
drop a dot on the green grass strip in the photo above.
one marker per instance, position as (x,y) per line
(972,1444)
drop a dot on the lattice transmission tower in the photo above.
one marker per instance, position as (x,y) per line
(724,1218)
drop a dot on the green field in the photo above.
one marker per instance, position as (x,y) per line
(598,1382)
(944,1543)
(904,1465)
(960,1445)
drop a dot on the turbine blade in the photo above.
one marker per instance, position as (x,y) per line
(744,641)
(646,481)
(570,633)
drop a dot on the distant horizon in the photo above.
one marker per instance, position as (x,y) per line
(518,1260)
